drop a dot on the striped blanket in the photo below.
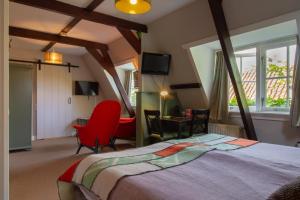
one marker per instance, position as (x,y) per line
(99,174)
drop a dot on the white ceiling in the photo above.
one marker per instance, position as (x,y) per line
(46,21)
(273,32)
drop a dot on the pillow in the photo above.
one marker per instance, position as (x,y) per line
(291,191)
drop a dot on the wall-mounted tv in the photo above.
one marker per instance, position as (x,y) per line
(86,88)
(156,64)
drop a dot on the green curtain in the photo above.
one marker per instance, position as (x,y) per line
(295,107)
(219,96)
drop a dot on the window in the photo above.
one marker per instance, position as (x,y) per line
(129,78)
(133,87)
(246,62)
(266,70)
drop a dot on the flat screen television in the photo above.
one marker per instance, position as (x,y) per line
(86,88)
(156,64)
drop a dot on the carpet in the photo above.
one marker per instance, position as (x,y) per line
(33,173)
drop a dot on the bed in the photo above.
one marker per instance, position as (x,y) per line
(208,167)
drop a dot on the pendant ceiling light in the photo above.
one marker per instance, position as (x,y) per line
(53,57)
(133,6)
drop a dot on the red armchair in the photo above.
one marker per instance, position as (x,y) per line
(101,127)
(126,129)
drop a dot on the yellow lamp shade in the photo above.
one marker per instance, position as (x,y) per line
(133,6)
(53,57)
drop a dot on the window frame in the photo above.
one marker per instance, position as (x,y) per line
(261,54)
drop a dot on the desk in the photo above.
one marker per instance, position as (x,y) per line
(175,124)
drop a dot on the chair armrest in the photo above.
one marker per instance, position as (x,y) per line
(79,127)
(127,120)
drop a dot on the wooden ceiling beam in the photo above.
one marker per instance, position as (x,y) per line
(93,5)
(82,13)
(132,39)
(105,61)
(31,34)
(227,48)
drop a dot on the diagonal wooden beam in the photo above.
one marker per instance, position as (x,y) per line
(224,37)
(77,12)
(26,33)
(131,38)
(105,61)
(93,5)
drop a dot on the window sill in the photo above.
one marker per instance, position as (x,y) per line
(267,115)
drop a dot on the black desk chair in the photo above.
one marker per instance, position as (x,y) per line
(199,124)
(155,130)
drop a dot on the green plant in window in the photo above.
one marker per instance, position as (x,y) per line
(278,70)
(280,102)
(233,102)
(250,102)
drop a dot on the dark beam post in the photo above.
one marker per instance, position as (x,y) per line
(38,35)
(106,62)
(93,5)
(82,13)
(224,37)
(133,40)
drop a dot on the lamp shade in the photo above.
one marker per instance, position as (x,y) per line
(53,57)
(164,93)
(133,6)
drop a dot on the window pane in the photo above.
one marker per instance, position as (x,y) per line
(249,68)
(292,59)
(133,88)
(277,62)
(246,60)
(231,96)
(250,91)
(276,92)
(290,91)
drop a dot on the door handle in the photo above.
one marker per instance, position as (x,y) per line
(69,100)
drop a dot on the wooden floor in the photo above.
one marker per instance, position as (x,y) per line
(33,174)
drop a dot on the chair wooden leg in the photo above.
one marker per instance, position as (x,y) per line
(112,143)
(80,146)
(96,149)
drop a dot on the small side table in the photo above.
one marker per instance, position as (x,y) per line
(82,121)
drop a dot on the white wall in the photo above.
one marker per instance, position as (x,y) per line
(203,59)
(82,106)
(121,52)
(102,77)
(271,128)
(107,84)
(193,23)
(4,120)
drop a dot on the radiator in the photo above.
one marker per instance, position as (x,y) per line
(225,129)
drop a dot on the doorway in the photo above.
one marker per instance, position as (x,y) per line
(20,106)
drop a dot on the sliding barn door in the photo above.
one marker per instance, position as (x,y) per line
(54,92)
